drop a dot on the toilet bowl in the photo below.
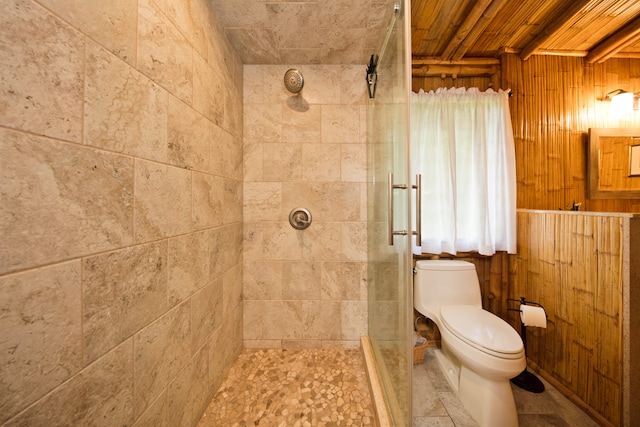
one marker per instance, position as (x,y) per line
(479,351)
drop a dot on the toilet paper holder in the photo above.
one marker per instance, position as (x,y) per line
(522,301)
(526,380)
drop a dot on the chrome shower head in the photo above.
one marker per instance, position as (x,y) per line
(293,80)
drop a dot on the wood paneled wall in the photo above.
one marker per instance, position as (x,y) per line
(574,265)
(555,101)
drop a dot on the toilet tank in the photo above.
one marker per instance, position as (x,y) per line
(445,282)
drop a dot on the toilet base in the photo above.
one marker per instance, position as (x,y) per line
(489,402)
(450,369)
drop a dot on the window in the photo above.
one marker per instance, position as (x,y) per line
(462,144)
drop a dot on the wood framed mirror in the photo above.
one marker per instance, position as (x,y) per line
(614,163)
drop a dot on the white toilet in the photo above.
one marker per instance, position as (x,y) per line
(479,352)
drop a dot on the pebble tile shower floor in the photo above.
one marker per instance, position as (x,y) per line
(307,387)
(329,387)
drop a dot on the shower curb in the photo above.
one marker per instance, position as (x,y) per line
(383,419)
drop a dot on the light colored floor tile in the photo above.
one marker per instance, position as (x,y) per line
(549,408)
(426,402)
(432,422)
(457,412)
(542,420)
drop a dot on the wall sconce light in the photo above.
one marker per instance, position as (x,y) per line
(622,102)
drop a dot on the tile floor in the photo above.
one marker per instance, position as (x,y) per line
(328,387)
(291,388)
(436,405)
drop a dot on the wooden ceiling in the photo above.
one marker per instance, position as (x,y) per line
(467,37)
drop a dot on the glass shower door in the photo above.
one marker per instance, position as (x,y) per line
(389,236)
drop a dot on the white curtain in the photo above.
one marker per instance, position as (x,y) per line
(462,144)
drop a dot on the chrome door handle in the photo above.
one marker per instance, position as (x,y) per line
(390,187)
(418,230)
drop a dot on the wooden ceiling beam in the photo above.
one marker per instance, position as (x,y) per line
(423,67)
(574,9)
(473,35)
(428,60)
(622,38)
(463,30)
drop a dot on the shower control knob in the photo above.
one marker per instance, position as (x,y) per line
(300,218)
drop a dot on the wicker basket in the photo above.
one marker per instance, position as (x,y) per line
(418,353)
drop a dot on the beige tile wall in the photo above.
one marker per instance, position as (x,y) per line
(305,288)
(120,211)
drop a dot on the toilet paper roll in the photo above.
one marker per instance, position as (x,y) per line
(533,316)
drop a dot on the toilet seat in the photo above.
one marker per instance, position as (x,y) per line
(482,330)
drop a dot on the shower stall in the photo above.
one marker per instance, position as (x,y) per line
(388,223)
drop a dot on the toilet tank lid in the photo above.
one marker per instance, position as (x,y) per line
(445,265)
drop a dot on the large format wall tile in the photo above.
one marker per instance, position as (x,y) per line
(101,394)
(226,153)
(257,45)
(301,280)
(252,163)
(188,137)
(164,55)
(262,123)
(308,319)
(353,244)
(221,355)
(112,24)
(208,91)
(41,312)
(344,281)
(301,126)
(353,162)
(321,162)
(163,201)
(59,201)
(340,123)
(225,248)
(122,292)
(339,201)
(262,279)
(156,414)
(190,17)
(208,200)
(161,351)
(124,110)
(188,265)
(120,211)
(189,394)
(262,201)
(354,320)
(232,202)
(304,151)
(46,102)
(282,162)
(232,290)
(207,308)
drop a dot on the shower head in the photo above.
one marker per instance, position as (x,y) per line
(293,80)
